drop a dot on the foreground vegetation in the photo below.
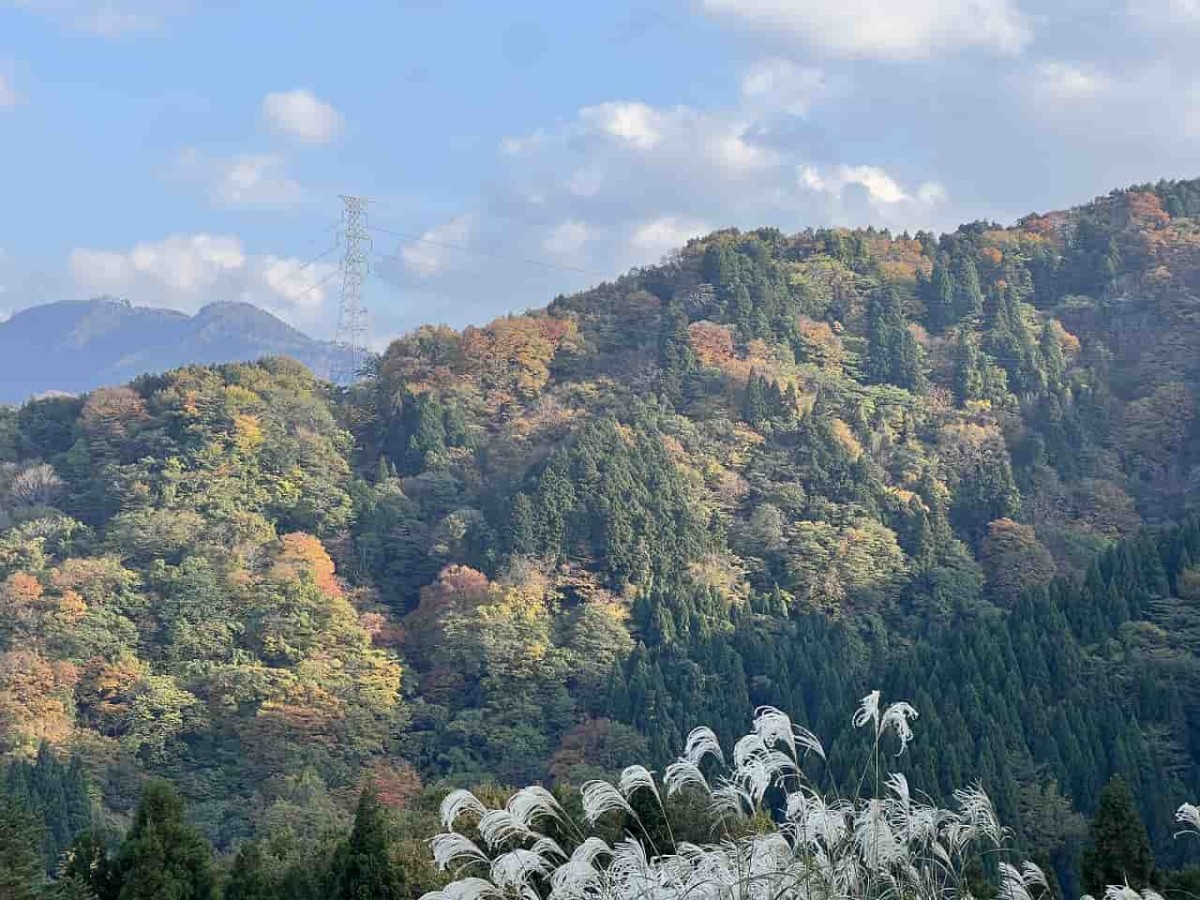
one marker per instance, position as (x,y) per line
(761,826)
(772,471)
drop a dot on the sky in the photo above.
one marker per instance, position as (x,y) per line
(179,152)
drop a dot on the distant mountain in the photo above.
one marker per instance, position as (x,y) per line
(76,346)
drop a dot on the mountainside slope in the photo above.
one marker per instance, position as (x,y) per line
(73,347)
(774,469)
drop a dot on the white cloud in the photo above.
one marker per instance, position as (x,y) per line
(292,281)
(1061,81)
(636,124)
(1144,114)
(567,238)
(301,115)
(255,180)
(586,182)
(8,93)
(430,255)
(931,193)
(183,264)
(884,29)
(107,18)
(781,84)
(243,180)
(623,183)
(882,190)
(186,271)
(657,237)
(879,184)
(611,136)
(517,145)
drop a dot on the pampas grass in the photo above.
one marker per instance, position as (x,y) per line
(777,835)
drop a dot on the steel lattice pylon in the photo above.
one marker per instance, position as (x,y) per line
(351,336)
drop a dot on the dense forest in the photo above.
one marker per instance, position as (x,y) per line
(243,608)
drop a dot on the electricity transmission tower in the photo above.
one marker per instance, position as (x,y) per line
(350,340)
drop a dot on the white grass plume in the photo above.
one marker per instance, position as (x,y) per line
(1188,816)
(776,836)
(457,803)
(600,797)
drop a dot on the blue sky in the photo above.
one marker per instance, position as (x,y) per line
(183,151)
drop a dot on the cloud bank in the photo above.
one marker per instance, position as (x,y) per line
(187,271)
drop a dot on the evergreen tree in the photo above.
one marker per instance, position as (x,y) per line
(968,375)
(892,354)
(67,889)
(757,408)
(21,874)
(163,857)
(939,295)
(425,427)
(968,300)
(55,793)
(1051,354)
(249,878)
(523,526)
(362,867)
(675,356)
(88,863)
(1118,851)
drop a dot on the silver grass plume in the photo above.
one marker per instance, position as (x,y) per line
(1188,816)
(777,837)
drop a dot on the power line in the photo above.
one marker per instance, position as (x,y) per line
(332,226)
(419,289)
(324,281)
(320,256)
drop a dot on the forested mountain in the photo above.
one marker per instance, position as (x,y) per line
(774,469)
(74,347)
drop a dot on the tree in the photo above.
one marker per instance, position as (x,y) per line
(362,867)
(968,298)
(1014,560)
(757,409)
(21,874)
(88,863)
(163,857)
(1118,851)
(940,295)
(675,356)
(968,374)
(893,356)
(57,793)
(249,878)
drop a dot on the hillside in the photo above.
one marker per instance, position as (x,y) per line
(74,347)
(774,469)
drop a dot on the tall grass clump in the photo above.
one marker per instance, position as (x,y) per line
(774,835)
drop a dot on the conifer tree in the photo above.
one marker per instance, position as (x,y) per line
(163,857)
(757,408)
(675,356)
(21,874)
(362,867)
(249,879)
(55,793)
(1118,851)
(892,355)
(67,889)
(88,863)
(1051,353)
(968,377)
(968,299)
(939,295)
